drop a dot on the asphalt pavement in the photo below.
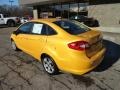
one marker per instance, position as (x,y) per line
(19,71)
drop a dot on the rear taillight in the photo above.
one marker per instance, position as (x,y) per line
(17,19)
(79,45)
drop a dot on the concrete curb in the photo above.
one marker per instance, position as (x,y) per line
(109,29)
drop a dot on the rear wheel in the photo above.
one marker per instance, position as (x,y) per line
(49,65)
(11,23)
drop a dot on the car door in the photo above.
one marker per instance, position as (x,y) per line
(21,38)
(36,41)
(1,20)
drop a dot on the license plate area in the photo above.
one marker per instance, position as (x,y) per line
(96,47)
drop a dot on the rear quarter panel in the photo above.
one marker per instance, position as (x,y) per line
(57,48)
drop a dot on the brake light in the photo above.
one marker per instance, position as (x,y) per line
(79,45)
(17,19)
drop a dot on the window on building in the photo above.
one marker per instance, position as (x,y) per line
(65,10)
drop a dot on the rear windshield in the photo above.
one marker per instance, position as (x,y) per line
(72,27)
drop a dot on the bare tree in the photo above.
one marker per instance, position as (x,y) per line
(15,10)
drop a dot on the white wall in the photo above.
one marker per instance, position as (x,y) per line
(35,14)
(107,14)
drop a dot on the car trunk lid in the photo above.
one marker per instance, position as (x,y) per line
(94,38)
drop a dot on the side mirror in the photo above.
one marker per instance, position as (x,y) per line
(16,32)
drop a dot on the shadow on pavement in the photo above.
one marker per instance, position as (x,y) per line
(112,55)
(87,81)
(3,26)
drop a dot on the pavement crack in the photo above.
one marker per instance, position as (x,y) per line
(101,88)
(1,85)
(117,70)
(18,57)
(4,55)
(5,75)
(106,85)
(102,81)
(53,78)
(19,74)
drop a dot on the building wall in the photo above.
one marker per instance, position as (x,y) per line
(40,2)
(25,2)
(107,14)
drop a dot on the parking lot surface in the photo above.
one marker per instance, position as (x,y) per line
(19,71)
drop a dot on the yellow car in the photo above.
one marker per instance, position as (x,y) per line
(60,44)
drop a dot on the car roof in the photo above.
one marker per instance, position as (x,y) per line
(47,20)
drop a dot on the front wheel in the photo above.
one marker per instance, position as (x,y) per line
(14,47)
(49,65)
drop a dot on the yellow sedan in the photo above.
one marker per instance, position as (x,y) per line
(60,44)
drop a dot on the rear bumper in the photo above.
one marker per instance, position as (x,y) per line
(81,65)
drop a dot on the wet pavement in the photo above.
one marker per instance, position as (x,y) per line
(19,71)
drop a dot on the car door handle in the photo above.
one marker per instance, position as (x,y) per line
(33,39)
(25,38)
(29,38)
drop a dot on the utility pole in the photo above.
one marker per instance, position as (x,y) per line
(11,1)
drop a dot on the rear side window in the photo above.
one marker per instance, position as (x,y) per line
(72,27)
(39,29)
(51,31)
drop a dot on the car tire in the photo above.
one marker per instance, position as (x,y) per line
(14,47)
(49,65)
(11,23)
(96,23)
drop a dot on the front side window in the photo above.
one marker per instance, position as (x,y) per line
(26,28)
(72,27)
